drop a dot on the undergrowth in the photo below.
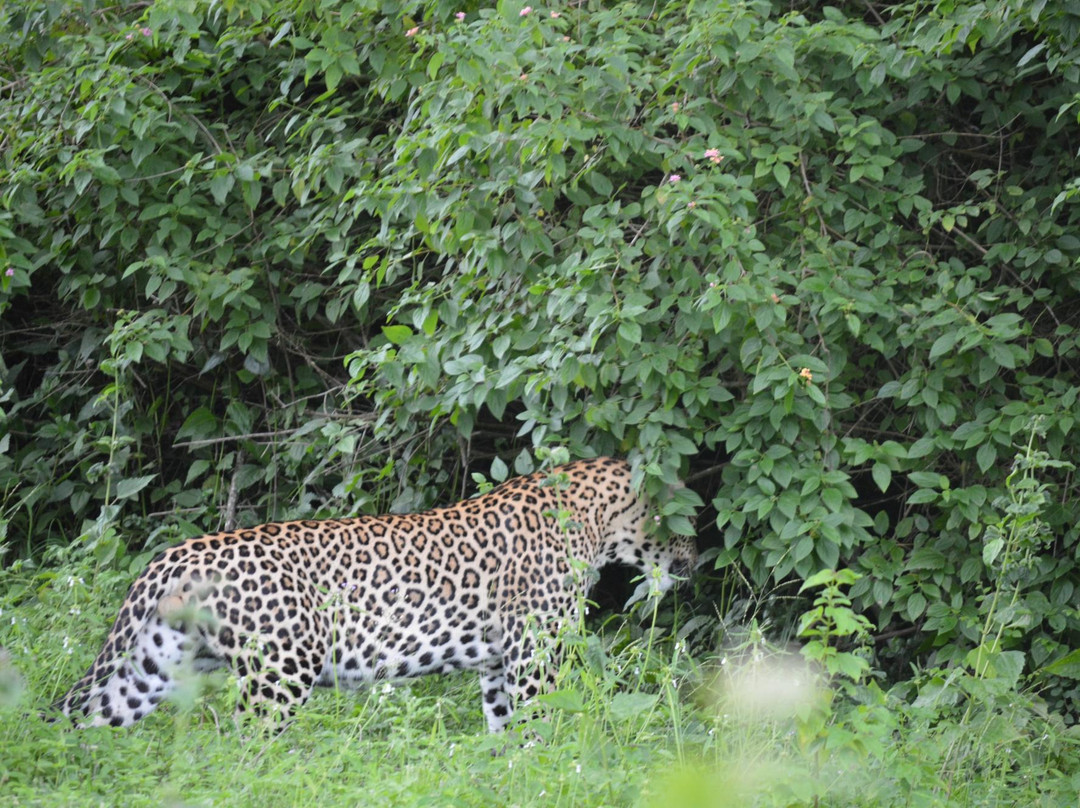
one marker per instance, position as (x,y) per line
(639,718)
(658,708)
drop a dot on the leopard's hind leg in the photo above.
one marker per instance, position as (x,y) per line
(276,660)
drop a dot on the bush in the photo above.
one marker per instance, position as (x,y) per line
(821,259)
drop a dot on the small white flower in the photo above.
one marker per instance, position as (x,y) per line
(578,768)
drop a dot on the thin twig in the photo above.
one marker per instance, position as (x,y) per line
(279,433)
(230,504)
(900,632)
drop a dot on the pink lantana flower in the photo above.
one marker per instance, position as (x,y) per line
(413,31)
(460,16)
(525,12)
(674,178)
(145,31)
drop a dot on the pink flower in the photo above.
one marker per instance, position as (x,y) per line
(555,15)
(129,37)
(460,16)
(691,204)
(145,31)
(524,77)
(10,272)
(674,178)
(413,31)
(675,106)
(566,39)
(714,155)
(525,12)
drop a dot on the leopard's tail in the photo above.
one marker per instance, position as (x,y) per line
(134,670)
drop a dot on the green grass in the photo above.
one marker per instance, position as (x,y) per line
(636,722)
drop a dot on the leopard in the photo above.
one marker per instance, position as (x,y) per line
(293,605)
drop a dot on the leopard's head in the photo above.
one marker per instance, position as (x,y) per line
(633,542)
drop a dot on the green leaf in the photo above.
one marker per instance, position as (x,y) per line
(196,470)
(1067,666)
(630,331)
(397,334)
(927,479)
(833,499)
(882,475)
(435,63)
(200,424)
(1001,355)
(569,701)
(943,344)
(993,664)
(1031,53)
(915,606)
(125,489)
(220,185)
(680,525)
(628,705)
(819,578)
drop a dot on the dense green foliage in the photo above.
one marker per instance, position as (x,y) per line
(269,259)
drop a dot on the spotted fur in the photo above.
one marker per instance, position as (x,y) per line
(297,604)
